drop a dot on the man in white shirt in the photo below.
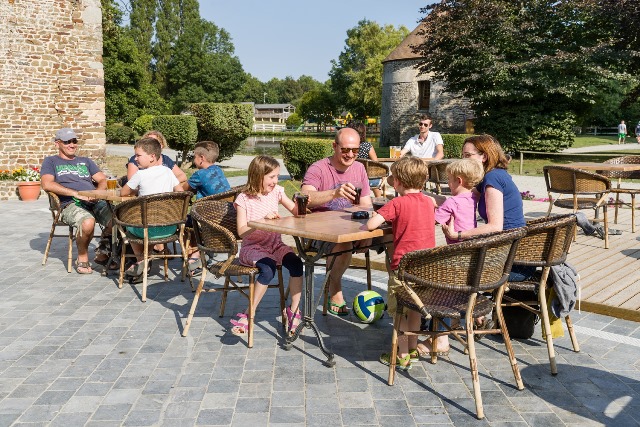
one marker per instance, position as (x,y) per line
(426,145)
(622,132)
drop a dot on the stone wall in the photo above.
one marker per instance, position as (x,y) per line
(51,76)
(400,113)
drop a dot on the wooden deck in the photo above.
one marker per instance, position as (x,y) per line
(609,278)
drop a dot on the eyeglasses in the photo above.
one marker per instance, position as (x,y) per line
(71,141)
(423,124)
(345,150)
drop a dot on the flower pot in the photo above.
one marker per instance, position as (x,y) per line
(29,190)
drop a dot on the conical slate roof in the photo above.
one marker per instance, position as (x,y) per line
(405,48)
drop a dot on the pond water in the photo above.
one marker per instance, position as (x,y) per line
(271,144)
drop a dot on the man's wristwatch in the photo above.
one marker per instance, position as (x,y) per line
(459,235)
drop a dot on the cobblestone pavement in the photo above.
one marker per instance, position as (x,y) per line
(76,350)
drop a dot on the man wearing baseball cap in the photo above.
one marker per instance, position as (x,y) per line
(65,174)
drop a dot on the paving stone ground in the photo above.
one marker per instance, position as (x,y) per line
(76,350)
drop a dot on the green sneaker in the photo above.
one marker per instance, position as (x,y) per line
(402,364)
(414,355)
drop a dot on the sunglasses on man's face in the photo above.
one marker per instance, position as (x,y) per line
(71,141)
(345,150)
(423,125)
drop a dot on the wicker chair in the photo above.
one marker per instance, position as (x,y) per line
(618,190)
(445,282)
(546,244)
(56,211)
(376,170)
(438,174)
(156,210)
(214,224)
(588,190)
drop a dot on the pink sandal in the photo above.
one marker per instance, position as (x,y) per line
(291,321)
(240,328)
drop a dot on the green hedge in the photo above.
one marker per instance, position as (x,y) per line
(143,124)
(453,145)
(180,131)
(299,153)
(119,134)
(226,124)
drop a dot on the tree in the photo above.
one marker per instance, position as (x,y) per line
(356,77)
(252,90)
(317,106)
(529,69)
(128,89)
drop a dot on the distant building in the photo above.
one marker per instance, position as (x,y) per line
(406,95)
(277,113)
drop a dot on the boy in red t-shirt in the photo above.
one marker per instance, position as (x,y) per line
(412,219)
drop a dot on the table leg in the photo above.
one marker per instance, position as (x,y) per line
(309,302)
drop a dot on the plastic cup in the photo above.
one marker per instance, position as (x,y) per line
(301,202)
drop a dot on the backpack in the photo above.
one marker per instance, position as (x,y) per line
(520,322)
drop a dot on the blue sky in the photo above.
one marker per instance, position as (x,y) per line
(279,38)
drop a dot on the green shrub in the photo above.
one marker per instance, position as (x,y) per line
(180,131)
(453,145)
(294,120)
(299,153)
(226,124)
(119,134)
(143,124)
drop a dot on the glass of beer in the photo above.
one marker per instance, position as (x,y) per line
(112,184)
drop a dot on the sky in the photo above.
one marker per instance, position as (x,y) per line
(280,38)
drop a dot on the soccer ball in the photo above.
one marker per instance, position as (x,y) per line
(368,306)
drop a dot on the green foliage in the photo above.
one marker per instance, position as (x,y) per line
(453,145)
(226,124)
(318,106)
(119,134)
(294,120)
(180,131)
(143,124)
(356,78)
(299,153)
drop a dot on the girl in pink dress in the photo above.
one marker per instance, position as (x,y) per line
(265,249)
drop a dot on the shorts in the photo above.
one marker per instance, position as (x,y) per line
(622,135)
(154,232)
(75,215)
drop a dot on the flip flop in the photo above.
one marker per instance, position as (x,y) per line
(429,353)
(83,265)
(136,269)
(338,310)
(240,328)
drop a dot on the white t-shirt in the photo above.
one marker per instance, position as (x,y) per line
(153,180)
(425,149)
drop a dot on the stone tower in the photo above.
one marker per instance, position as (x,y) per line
(406,95)
(51,76)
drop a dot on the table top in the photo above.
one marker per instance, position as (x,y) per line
(328,226)
(622,167)
(391,160)
(110,195)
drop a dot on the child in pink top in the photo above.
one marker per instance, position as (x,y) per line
(264,249)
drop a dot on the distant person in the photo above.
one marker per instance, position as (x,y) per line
(622,132)
(638,133)
(366,152)
(425,145)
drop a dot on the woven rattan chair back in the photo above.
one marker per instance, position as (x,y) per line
(547,241)
(56,211)
(227,196)
(622,174)
(218,211)
(438,174)
(375,170)
(214,226)
(565,180)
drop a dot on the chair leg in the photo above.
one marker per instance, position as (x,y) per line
(144,273)
(546,324)
(572,334)
(194,304)
(252,311)
(123,253)
(281,289)
(473,365)
(606,227)
(46,249)
(225,291)
(507,340)
(70,254)
(397,318)
(633,213)
(367,260)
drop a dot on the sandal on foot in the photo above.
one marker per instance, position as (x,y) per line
(136,269)
(103,262)
(487,323)
(83,267)
(425,351)
(240,326)
(414,355)
(338,309)
(402,363)
(290,320)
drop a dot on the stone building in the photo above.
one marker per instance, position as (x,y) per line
(406,95)
(51,76)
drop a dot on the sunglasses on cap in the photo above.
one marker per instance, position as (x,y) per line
(71,141)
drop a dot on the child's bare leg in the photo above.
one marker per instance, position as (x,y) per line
(413,324)
(295,289)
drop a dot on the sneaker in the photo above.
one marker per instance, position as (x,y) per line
(402,364)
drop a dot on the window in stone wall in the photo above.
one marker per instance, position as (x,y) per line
(424,93)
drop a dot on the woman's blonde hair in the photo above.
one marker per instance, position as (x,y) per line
(469,170)
(258,168)
(157,135)
(491,148)
(411,172)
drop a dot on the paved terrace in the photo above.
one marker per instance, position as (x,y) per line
(76,350)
